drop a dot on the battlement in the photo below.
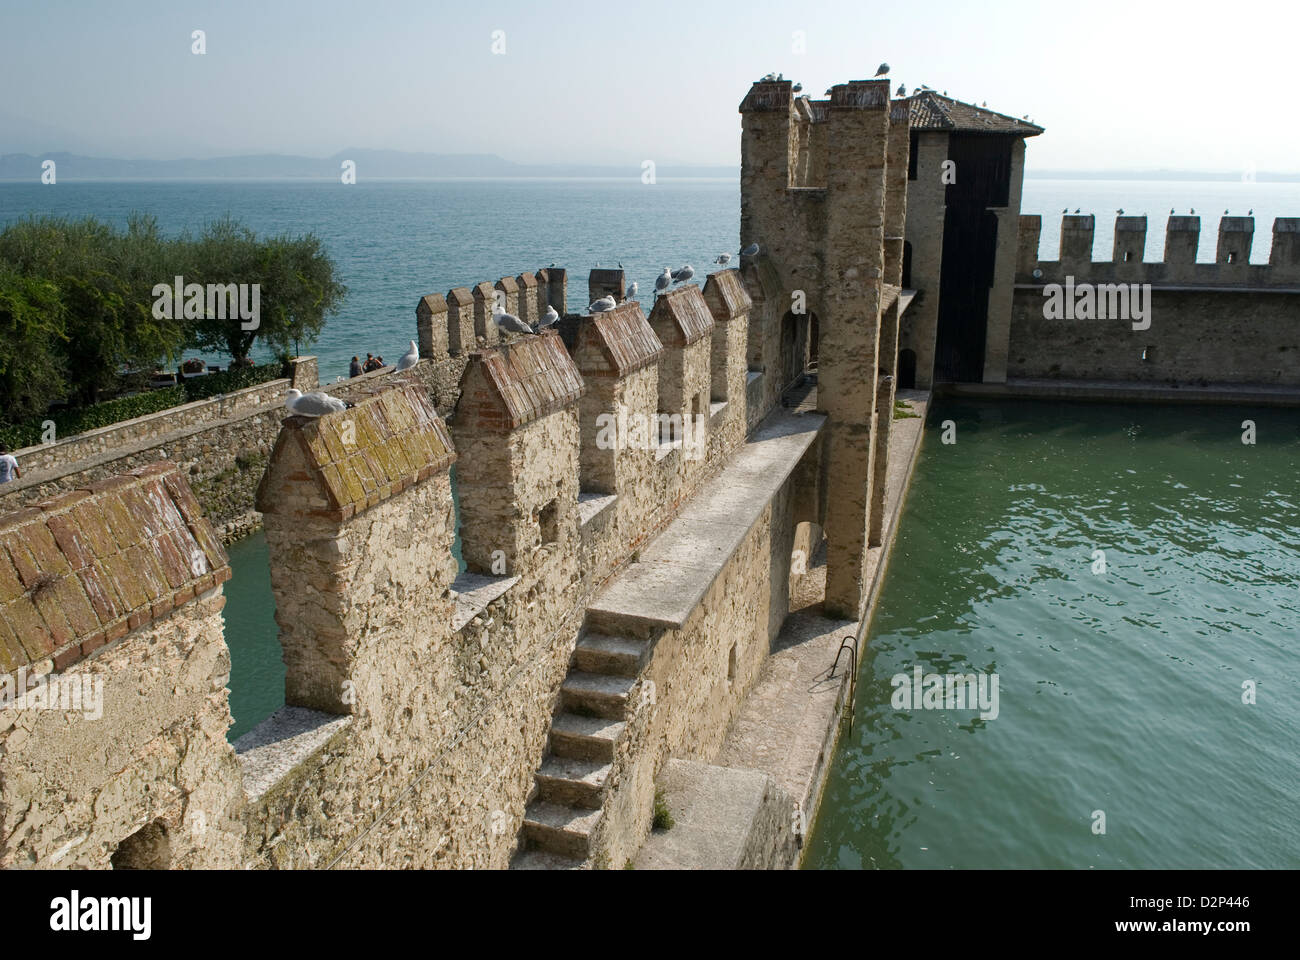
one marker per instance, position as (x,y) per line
(81,571)
(1231,268)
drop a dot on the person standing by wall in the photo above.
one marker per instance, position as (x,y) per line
(8,465)
(354,369)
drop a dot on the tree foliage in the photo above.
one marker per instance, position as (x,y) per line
(77,303)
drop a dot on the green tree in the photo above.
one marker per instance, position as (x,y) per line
(296,281)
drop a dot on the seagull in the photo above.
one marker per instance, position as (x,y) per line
(902,90)
(1076,211)
(1120,211)
(984,104)
(1192,212)
(882,70)
(314,404)
(550,320)
(663,281)
(1250,213)
(798,88)
(769,78)
(601,305)
(722,258)
(750,251)
(1225,213)
(827,93)
(684,274)
(1066,210)
(1171,211)
(509,322)
(409,359)
(631,291)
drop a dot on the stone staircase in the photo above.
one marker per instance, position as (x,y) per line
(574,778)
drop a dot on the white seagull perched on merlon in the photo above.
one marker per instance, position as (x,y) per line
(314,404)
(550,319)
(684,274)
(663,281)
(631,291)
(509,322)
(408,359)
(750,251)
(603,304)
(723,259)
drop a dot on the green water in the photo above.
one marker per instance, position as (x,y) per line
(256,669)
(1118,691)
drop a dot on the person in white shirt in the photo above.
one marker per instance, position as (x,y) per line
(8,465)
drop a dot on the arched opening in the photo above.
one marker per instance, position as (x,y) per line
(907,265)
(794,360)
(906,369)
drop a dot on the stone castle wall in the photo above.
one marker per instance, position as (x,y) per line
(1226,322)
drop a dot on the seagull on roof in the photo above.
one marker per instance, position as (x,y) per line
(1192,212)
(1120,211)
(722,259)
(1066,210)
(1250,213)
(750,251)
(902,90)
(315,404)
(684,274)
(663,281)
(602,305)
(1225,213)
(409,359)
(509,322)
(631,291)
(882,70)
(1171,211)
(1076,211)
(798,88)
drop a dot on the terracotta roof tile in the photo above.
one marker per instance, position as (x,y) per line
(357,457)
(526,379)
(98,562)
(681,317)
(616,342)
(932,111)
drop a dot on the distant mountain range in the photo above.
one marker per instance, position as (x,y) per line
(395,164)
(370,165)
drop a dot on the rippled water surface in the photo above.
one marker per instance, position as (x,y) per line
(1120,691)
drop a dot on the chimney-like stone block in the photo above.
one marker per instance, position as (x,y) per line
(1130,240)
(1077,234)
(1236,235)
(485,328)
(606,282)
(460,321)
(431,325)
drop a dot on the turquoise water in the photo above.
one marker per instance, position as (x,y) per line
(1118,691)
(256,668)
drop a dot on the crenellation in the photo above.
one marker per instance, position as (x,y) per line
(485,327)
(528,298)
(460,321)
(606,282)
(433,336)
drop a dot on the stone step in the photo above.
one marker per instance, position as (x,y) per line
(543,860)
(596,694)
(602,653)
(560,829)
(577,783)
(585,738)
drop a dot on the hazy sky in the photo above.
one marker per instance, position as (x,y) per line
(1118,83)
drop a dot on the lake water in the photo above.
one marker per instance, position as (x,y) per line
(1118,692)
(396,240)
